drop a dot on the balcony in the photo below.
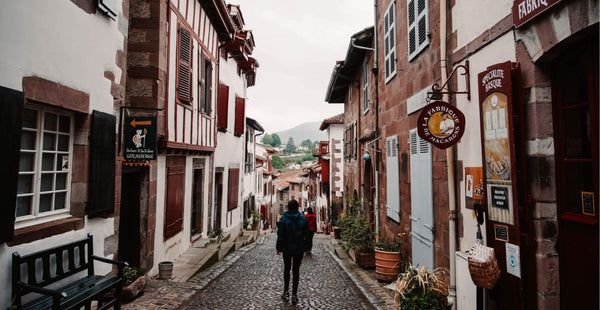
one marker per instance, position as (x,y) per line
(322,149)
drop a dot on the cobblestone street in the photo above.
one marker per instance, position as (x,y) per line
(255,281)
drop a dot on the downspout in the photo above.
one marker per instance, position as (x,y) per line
(449,164)
(375,160)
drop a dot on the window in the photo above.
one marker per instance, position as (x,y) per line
(184,66)
(418,26)
(238,129)
(223,108)
(389,39)
(350,137)
(44,164)
(205,84)
(365,86)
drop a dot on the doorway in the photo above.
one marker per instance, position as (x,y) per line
(196,218)
(219,200)
(575,107)
(129,218)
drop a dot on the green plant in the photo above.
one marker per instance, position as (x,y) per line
(215,233)
(394,246)
(422,289)
(255,217)
(131,274)
(356,229)
(245,223)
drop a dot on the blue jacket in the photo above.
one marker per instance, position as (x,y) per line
(292,232)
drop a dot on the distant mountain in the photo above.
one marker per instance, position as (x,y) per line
(302,132)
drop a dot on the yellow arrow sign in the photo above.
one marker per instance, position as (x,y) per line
(134,123)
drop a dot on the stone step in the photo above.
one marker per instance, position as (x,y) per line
(193,261)
(227,247)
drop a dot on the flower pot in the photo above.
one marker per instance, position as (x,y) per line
(337,232)
(133,290)
(364,260)
(165,270)
(387,265)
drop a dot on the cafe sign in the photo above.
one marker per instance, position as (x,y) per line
(525,10)
(441,124)
(140,138)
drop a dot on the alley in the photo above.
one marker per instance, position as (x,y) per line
(255,281)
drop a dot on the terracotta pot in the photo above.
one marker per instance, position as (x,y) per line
(131,291)
(365,260)
(387,265)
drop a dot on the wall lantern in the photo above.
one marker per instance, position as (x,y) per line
(437,91)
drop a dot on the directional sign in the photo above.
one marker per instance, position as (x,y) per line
(140,138)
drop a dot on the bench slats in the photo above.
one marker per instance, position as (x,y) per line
(59,264)
(71,255)
(31,279)
(46,267)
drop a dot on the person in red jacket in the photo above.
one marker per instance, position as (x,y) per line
(312,228)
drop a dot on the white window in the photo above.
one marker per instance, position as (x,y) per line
(389,39)
(365,86)
(44,165)
(418,26)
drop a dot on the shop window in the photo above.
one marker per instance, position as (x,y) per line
(44,166)
(418,26)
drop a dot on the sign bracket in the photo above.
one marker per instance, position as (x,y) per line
(437,91)
(121,120)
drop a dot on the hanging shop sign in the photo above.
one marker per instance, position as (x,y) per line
(495,95)
(525,10)
(441,124)
(139,138)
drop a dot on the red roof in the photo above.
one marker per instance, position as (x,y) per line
(338,119)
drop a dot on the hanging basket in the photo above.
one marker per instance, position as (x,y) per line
(483,266)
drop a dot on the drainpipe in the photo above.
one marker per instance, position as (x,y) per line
(449,165)
(375,159)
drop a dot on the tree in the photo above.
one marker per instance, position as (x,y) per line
(277,162)
(276,140)
(267,139)
(307,144)
(290,147)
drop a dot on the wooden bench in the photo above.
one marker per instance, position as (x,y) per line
(34,272)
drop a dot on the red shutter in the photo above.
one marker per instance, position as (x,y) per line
(239,116)
(174,207)
(233,188)
(184,66)
(223,107)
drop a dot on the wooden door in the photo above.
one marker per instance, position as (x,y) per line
(575,103)
(197,200)
(129,217)
(219,201)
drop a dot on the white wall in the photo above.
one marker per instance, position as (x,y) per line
(336,131)
(470,18)
(469,148)
(58,41)
(230,149)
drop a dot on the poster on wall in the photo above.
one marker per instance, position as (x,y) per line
(495,91)
(474,186)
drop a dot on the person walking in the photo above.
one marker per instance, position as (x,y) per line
(292,233)
(312,228)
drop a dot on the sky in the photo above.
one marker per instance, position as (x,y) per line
(297,45)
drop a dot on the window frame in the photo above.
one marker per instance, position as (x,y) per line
(390,54)
(37,217)
(419,47)
(365,88)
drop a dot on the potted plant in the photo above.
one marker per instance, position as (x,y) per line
(135,282)
(255,219)
(357,238)
(215,235)
(388,258)
(422,289)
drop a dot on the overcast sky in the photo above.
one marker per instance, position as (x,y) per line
(297,45)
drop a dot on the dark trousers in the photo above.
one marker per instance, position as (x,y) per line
(290,261)
(310,236)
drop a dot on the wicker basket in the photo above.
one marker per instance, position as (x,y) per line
(486,273)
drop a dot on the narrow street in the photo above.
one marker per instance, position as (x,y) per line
(255,281)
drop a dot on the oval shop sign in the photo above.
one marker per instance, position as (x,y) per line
(441,124)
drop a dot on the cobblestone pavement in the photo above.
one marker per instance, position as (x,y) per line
(255,281)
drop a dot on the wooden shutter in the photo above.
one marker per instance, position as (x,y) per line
(389,39)
(175,194)
(417,12)
(223,107)
(233,188)
(392,178)
(11,113)
(101,187)
(239,116)
(184,65)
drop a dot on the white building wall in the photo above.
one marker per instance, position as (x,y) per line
(469,148)
(470,18)
(45,29)
(230,149)
(336,132)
